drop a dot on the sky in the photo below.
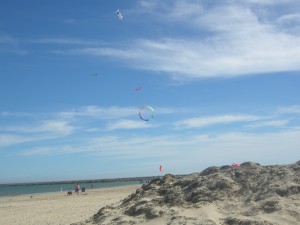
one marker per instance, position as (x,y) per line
(222,78)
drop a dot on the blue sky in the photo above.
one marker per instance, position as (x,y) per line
(222,77)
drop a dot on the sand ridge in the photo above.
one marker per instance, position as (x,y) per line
(247,195)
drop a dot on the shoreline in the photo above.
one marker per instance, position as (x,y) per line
(106,180)
(65,191)
(35,189)
(39,188)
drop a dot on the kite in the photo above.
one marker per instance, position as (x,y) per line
(235,165)
(119,14)
(149,109)
(161,169)
(94,75)
(139,88)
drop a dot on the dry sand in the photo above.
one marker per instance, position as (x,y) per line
(58,208)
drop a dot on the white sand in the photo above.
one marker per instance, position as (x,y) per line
(58,208)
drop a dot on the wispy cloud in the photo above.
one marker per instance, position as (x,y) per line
(198,122)
(7,39)
(289,110)
(100,112)
(289,18)
(91,111)
(271,123)
(113,112)
(7,140)
(56,126)
(195,149)
(52,126)
(223,35)
(76,122)
(70,21)
(36,132)
(16,114)
(10,44)
(65,41)
(49,150)
(265,2)
(128,124)
(113,146)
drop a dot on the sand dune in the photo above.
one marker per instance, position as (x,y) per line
(247,195)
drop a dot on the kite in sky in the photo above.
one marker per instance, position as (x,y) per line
(146,110)
(138,88)
(94,75)
(235,165)
(119,14)
(161,169)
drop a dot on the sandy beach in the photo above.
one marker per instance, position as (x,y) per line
(250,194)
(58,208)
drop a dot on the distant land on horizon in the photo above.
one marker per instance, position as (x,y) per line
(88,181)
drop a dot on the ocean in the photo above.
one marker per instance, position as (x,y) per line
(45,188)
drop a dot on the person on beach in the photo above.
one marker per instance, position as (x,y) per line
(77,188)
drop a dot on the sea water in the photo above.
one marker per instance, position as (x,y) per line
(45,188)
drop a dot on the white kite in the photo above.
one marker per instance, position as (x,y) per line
(119,14)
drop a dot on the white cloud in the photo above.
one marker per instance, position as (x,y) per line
(10,44)
(192,150)
(198,122)
(290,23)
(70,21)
(49,150)
(147,4)
(289,18)
(48,126)
(239,44)
(36,132)
(113,112)
(128,124)
(7,140)
(17,114)
(289,110)
(100,112)
(92,129)
(271,123)
(6,39)
(266,2)
(185,9)
(65,41)
(56,126)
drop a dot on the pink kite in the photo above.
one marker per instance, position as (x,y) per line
(161,168)
(139,88)
(235,165)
